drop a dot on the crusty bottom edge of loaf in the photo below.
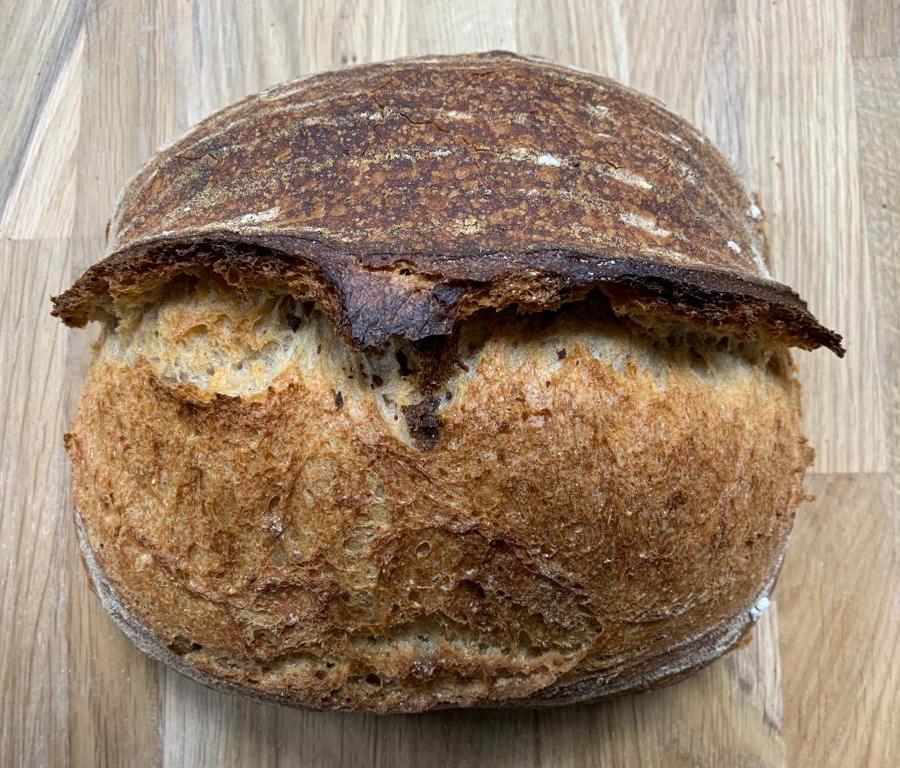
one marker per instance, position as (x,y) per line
(670,667)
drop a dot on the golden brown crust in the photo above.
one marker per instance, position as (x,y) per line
(600,512)
(664,670)
(403,197)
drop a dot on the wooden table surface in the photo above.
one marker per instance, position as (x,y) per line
(802,96)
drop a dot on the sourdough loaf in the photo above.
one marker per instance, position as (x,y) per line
(442,382)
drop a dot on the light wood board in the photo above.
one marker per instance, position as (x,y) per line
(804,99)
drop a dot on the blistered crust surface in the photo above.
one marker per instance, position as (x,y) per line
(405,196)
(457,155)
(599,507)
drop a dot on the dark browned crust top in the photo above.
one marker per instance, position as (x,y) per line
(403,197)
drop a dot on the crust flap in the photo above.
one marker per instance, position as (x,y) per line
(404,196)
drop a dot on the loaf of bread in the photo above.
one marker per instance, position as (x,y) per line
(443,382)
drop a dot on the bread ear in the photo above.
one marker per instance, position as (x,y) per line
(403,197)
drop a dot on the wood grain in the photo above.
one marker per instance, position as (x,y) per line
(39,92)
(804,98)
(878,105)
(874,28)
(842,693)
(35,533)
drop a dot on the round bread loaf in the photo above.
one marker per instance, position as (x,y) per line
(442,382)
